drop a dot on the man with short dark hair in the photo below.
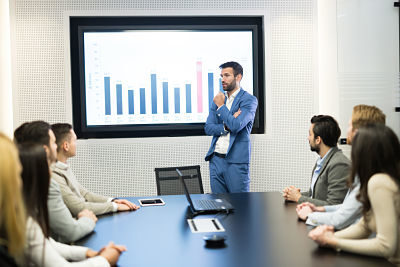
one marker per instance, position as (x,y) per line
(342,215)
(75,196)
(230,122)
(63,226)
(328,181)
(38,132)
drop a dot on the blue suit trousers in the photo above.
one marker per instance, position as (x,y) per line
(228,177)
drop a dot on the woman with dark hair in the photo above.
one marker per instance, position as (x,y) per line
(40,249)
(376,160)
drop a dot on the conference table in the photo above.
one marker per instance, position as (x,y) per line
(262,231)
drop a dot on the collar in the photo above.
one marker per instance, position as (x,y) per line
(61,165)
(234,94)
(321,160)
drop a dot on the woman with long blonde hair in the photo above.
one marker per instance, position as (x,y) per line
(12,211)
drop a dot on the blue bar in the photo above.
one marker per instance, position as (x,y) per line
(130,101)
(142,101)
(188,98)
(165,97)
(177,101)
(210,89)
(119,99)
(107,100)
(153,94)
(220,85)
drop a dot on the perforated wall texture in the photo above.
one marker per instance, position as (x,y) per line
(125,167)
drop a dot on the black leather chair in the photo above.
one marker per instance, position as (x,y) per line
(168,183)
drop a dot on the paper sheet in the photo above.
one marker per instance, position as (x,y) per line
(205,225)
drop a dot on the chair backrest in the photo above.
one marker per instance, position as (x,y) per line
(168,183)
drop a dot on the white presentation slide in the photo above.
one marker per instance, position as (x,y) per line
(159,77)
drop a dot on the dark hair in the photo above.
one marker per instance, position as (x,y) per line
(327,128)
(36,180)
(62,132)
(36,132)
(237,68)
(375,149)
(19,133)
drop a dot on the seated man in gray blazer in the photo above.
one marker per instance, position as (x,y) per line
(63,227)
(330,173)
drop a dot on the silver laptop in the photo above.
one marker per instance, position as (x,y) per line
(205,205)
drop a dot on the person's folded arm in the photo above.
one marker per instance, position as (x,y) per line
(345,215)
(48,253)
(62,224)
(213,126)
(248,110)
(339,216)
(332,208)
(90,196)
(76,204)
(381,193)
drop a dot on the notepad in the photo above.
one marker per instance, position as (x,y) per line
(205,225)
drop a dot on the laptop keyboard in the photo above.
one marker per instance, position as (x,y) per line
(207,204)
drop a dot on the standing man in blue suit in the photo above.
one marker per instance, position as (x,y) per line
(230,122)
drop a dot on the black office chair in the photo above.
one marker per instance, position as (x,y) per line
(168,180)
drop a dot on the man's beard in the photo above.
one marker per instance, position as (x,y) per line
(315,148)
(230,87)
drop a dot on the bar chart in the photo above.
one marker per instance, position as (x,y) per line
(133,82)
(185,91)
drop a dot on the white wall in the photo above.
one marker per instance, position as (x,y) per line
(6,115)
(126,166)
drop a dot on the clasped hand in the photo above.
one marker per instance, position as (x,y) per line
(323,235)
(111,253)
(125,205)
(291,193)
(304,209)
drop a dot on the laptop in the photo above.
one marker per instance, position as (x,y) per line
(205,205)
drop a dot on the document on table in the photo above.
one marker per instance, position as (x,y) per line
(205,225)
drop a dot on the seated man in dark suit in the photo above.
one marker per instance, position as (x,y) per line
(328,180)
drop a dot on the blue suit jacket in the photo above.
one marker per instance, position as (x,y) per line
(239,143)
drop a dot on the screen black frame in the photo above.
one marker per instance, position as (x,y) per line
(80,24)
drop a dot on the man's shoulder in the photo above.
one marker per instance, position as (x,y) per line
(247,94)
(339,157)
(249,98)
